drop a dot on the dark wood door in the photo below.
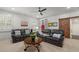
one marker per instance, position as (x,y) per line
(65,25)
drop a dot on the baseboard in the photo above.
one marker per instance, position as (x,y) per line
(75,36)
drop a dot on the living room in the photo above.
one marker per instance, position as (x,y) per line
(40,19)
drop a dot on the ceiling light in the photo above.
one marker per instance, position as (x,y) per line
(37,27)
(13,8)
(68,7)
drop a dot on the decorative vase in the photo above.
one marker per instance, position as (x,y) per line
(33,38)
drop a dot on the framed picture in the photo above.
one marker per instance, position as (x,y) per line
(24,23)
(50,24)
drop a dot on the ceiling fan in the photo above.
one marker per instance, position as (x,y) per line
(41,10)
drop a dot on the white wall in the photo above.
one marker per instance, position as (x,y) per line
(74,30)
(51,19)
(74,23)
(15,23)
(56,18)
(69,15)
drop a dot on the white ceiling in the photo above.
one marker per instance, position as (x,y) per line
(33,11)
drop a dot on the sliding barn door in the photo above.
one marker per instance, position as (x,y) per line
(65,25)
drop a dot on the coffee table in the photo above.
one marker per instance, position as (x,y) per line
(29,43)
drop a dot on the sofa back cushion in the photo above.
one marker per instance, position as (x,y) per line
(27,31)
(47,31)
(56,35)
(17,32)
(57,31)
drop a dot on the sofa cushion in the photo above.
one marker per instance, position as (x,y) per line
(47,31)
(17,32)
(56,35)
(55,38)
(43,34)
(22,31)
(27,31)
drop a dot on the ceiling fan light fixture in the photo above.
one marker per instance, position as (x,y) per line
(41,13)
(41,10)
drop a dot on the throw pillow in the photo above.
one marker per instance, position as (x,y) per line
(27,32)
(17,33)
(57,35)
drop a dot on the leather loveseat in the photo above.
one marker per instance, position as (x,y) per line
(19,34)
(54,37)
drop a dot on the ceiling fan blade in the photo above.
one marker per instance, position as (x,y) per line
(43,10)
(41,13)
(39,9)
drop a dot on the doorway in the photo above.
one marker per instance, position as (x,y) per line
(64,24)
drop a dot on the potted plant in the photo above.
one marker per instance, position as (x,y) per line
(33,36)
